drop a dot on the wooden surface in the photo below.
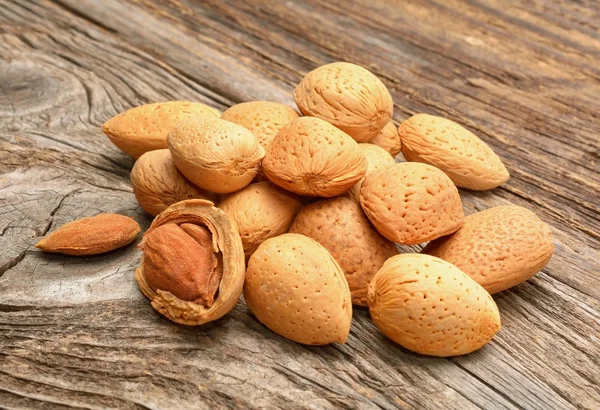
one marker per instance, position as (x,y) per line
(77,333)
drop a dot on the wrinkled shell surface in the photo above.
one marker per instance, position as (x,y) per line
(377,158)
(347,96)
(467,160)
(261,211)
(311,157)
(92,235)
(499,247)
(228,246)
(340,225)
(215,154)
(411,203)
(296,289)
(145,128)
(263,118)
(431,307)
(389,139)
(157,183)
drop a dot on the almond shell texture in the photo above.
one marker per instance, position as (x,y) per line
(295,288)
(311,157)
(261,210)
(410,203)
(431,307)
(499,247)
(347,96)
(377,158)
(467,160)
(157,183)
(92,235)
(340,225)
(389,139)
(228,246)
(216,155)
(263,118)
(145,128)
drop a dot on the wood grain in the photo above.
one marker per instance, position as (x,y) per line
(76,332)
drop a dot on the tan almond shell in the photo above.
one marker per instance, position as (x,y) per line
(295,288)
(340,225)
(467,160)
(216,155)
(347,96)
(92,235)
(311,157)
(499,247)
(157,183)
(389,139)
(410,203)
(377,158)
(261,211)
(145,128)
(263,118)
(226,240)
(431,307)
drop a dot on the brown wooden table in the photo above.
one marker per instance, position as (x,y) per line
(77,333)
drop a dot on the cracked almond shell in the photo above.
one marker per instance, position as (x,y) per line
(145,128)
(295,288)
(499,247)
(467,160)
(347,96)
(311,157)
(431,307)
(157,183)
(226,244)
(388,139)
(260,211)
(216,155)
(340,225)
(377,158)
(410,203)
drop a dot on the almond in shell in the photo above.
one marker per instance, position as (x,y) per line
(467,160)
(499,247)
(295,288)
(389,139)
(431,307)
(347,96)
(145,128)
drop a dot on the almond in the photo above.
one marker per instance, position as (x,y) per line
(92,235)
(499,247)
(260,211)
(295,288)
(216,155)
(389,139)
(347,96)
(192,267)
(311,157)
(410,203)
(467,160)
(431,307)
(145,128)
(377,158)
(157,183)
(340,225)
(263,118)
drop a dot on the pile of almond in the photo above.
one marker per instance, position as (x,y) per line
(309,211)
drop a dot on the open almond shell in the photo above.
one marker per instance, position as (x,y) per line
(226,242)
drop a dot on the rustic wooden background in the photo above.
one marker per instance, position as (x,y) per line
(77,333)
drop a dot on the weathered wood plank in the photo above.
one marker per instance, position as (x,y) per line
(77,333)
